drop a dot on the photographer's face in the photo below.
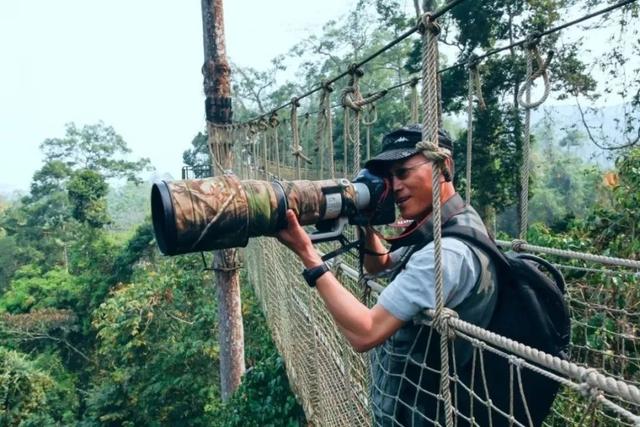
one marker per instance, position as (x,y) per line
(412,186)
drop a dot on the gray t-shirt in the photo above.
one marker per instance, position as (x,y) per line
(413,289)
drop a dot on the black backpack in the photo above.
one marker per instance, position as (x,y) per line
(531,309)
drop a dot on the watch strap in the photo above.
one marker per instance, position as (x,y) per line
(311,275)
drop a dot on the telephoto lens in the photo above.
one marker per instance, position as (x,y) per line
(224,212)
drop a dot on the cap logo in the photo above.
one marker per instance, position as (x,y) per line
(402,139)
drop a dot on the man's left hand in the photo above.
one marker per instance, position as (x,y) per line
(296,239)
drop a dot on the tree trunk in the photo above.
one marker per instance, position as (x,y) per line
(217,89)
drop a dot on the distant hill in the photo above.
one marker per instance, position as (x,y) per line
(565,121)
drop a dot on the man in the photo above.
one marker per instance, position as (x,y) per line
(405,363)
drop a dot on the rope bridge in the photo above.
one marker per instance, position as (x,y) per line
(333,383)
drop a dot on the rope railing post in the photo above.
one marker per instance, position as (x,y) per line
(429,146)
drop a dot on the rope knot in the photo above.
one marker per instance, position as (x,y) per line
(355,71)
(263,124)
(273,120)
(328,87)
(433,151)
(542,66)
(518,244)
(441,322)
(428,23)
(414,81)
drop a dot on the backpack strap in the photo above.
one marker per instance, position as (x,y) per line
(479,240)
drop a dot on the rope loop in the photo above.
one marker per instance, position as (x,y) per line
(533,54)
(327,86)
(371,115)
(474,70)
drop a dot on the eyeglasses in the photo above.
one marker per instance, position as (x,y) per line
(402,173)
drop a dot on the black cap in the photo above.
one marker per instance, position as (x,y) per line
(401,143)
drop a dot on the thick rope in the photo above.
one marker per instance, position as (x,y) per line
(296,148)
(525,171)
(522,246)
(415,101)
(369,120)
(353,102)
(587,375)
(429,147)
(274,123)
(474,87)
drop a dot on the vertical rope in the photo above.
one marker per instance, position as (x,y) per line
(524,168)
(352,102)
(467,193)
(473,86)
(369,120)
(430,124)
(415,100)
(295,136)
(329,131)
(274,123)
(532,53)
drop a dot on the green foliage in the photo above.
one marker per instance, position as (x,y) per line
(87,191)
(96,147)
(30,396)
(264,397)
(33,289)
(157,354)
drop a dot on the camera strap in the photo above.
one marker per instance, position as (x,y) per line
(346,246)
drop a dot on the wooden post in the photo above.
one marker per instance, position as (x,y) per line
(217,89)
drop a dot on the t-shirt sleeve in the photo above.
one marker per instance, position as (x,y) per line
(413,289)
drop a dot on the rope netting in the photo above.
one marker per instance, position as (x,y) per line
(334,383)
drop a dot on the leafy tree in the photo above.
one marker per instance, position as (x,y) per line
(96,147)
(31,396)
(87,191)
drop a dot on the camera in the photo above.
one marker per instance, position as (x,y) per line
(224,212)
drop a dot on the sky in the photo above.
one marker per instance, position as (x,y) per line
(135,65)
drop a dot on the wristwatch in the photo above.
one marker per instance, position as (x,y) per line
(311,275)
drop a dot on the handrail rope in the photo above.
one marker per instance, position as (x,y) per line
(582,387)
(604,271)
(522,246)
(588,375)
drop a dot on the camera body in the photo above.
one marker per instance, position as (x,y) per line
(224,212)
